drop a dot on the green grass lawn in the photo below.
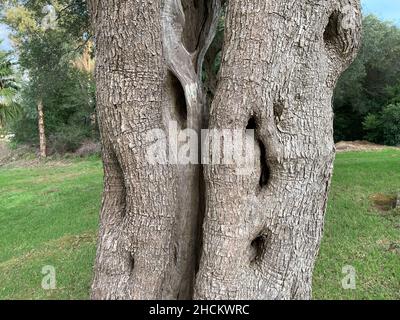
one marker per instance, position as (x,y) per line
(358,235)
(49,216)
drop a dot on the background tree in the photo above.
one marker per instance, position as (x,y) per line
(51,51)
(9,108)
(369,85)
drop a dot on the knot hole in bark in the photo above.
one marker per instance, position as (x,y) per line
(279,106)
(251,125)
(331,32)
(265,169)
(178,94)
(337,36)
(259,246)
(131,262)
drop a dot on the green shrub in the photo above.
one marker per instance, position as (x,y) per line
(25,130)
(391,124)
(374,128)
(67,139)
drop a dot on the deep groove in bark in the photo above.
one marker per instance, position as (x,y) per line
(123,185)
(265,169)
(199,63)
(112,161)
(132,263)
(331,32)
(202,210)
(278,111)
(175,253)
(259,245)
(203,25)
(180,100)
(252,124)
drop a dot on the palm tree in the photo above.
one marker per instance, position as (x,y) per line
(9,109)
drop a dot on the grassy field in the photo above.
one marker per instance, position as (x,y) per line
(49,215)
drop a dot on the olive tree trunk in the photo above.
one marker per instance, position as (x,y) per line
(149,57)
(280,64)
(261,233)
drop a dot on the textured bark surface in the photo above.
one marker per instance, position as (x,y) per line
(261,234)
(148,60)
(280,63)
(42,131)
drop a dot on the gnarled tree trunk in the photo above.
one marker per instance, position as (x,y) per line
(261,234)
(279,67)
(149,58)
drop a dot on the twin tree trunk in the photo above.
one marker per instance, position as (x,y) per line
(190,231)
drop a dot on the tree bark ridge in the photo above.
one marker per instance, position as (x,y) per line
(261,241)
(149,217)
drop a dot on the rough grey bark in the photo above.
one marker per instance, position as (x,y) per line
(280,63)
(148,60)
(42,131)
(261,234)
